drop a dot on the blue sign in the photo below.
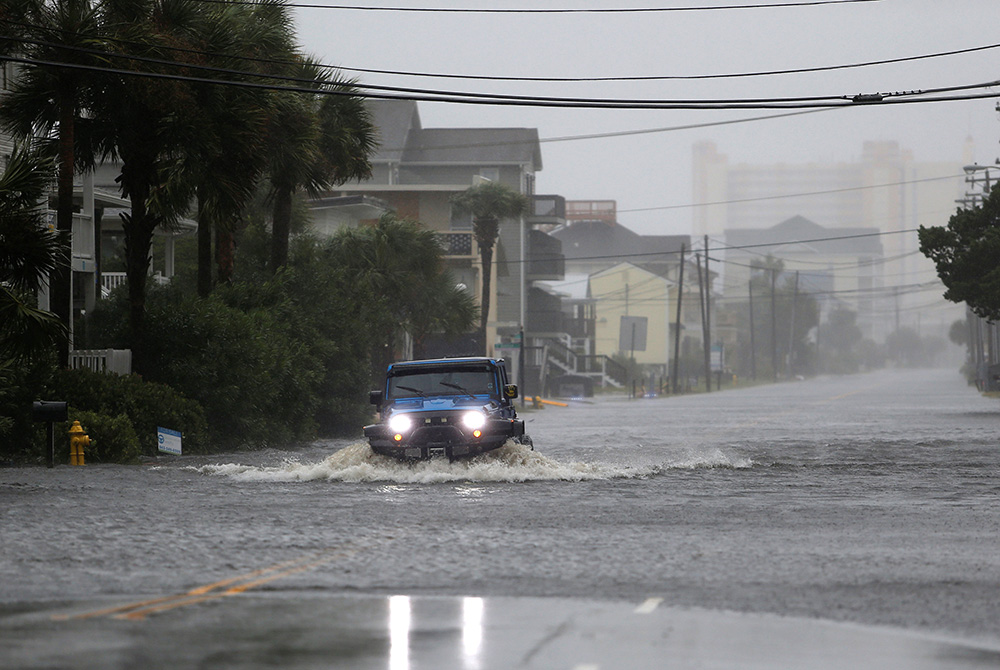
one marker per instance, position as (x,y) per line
(168,441)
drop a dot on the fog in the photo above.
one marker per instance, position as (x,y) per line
(649,173)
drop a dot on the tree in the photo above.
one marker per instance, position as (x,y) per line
(905,348)
(227,161)
(314,141)
(958,333)
(398,265)
(965,253)
(489,203)
(146,123)
(775,338)
(47,100)
(841,339)
(29,252)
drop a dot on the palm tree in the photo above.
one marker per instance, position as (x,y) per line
(29,252)
(228,160)
(314,141)
(48,99)
(146,124)
(489,203)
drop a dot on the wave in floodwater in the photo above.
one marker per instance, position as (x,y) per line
(510,463)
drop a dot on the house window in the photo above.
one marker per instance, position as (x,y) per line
(491,173)
(460,220)
(545,207)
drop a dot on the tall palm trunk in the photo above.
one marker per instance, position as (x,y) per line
(204,250)
(137,176)
(486,257)
(225,251)
(281,224)
(60,287)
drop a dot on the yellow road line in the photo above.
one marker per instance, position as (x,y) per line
(212,591)
(143,612)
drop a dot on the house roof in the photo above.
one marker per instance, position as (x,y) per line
(582,240)
(474,145)
(805,236)
(403,139)
(394,120)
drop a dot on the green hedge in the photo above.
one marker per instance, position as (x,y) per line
(112,438)
(145,404)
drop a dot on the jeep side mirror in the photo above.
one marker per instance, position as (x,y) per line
(510,390)
(375,398)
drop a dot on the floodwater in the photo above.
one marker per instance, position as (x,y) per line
(872,499)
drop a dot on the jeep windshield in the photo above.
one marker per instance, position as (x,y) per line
(426,383)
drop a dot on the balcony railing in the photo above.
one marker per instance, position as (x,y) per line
(458,244)
(110,361)
(112,280)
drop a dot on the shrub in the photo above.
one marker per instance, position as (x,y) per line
(146,405)
(22,440)
(112,438)
(270,361)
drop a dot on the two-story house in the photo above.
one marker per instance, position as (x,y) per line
(415,173)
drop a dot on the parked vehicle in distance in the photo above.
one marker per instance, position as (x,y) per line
(452,407)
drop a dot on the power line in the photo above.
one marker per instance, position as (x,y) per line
(823,68)
(461,97)
(791,195)
(731,75)
(661,254)
(596,10)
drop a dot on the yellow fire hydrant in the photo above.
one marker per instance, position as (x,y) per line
(77,441)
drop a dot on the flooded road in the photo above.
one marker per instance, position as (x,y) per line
(872,499)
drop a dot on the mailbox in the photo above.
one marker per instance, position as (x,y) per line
(47,410)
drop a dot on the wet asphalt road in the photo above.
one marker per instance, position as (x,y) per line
(870,500)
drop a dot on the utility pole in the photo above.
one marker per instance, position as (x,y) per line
(896,294)
(753,345)
(708,323)
(677,330)
(704,325)
(791,335)
(774,328)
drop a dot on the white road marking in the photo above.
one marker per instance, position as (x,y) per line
(649,606)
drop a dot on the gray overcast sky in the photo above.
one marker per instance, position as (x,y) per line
(650,171)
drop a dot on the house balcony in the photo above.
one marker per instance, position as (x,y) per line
(547,210)
(545,257)
(458,244)
(546,322)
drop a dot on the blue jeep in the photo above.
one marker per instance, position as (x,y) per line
(453,407)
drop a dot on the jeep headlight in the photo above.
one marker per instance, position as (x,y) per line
(400,423)
(474,420)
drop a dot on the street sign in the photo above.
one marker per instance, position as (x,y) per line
(507,345)
(717,357)
(168,441)
(632,333)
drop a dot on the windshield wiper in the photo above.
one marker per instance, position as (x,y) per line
(410,388)
(456,386)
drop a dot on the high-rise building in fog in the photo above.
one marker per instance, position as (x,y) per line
(887,190)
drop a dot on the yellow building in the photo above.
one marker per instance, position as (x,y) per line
(633,310)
